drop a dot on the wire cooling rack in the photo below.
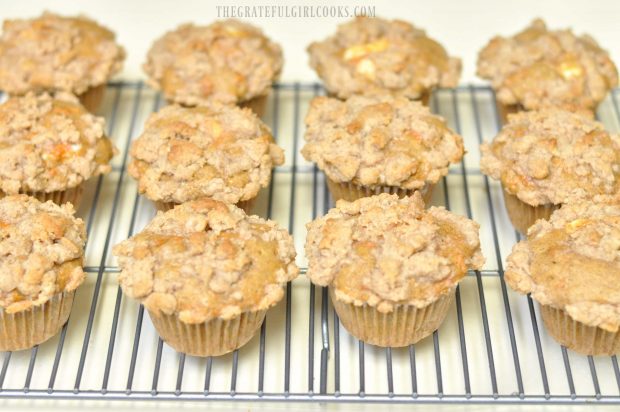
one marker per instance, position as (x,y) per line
(492,347)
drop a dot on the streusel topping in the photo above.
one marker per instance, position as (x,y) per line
(374,56)
(50,144)
(222,152)
(206,259)
(384,251)
(227,61)
(553,156)
(542,68)
(42,245)
(572,262)
(379,141)
(56,53)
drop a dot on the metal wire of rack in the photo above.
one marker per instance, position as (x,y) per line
(493,348)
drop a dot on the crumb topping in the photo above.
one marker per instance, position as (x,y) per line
(56,53)
(227,61)
(379,141)
(206,259)
(541,68)
(553,157)
(50,144)
(42,246)
(385,251)
(222,152)
(372,55)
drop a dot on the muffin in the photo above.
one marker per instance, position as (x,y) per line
(538,68)
(391,267)
(222,152)
(368,145)
(226,62)
(52,53)
(369,56)
(207,273)
(42,247)
(570,264)
(49,147)
(548,158)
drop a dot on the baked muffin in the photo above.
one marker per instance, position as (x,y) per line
(49,147)
(376,56)
(392,267)
(540,68)
(222,152)
(207,273)
(545,159)
(570,264)
(369,145)
(226,62)
(42,247)
(52,53)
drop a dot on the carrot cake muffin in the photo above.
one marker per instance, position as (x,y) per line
(219,151)
(392,267)
(53,53)
(226,62)
(42,247)
(369,145)
(207,273)
(376,56)
(50,146)
(571,265)
(541,68)
(545,159)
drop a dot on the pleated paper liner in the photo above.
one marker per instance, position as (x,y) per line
(92,98)
(72,195)
(405,325)
(31,327)
(350,192)
(577,336)
(246,205)
(212,338)
(523,215)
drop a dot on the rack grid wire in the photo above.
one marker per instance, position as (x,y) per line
(492,347)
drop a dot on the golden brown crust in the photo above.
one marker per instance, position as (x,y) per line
(50,144)
(385,251)
(379,141)
(374,56)
(218,151)
(572,262)
(553,157)
(42,246)
(206,259)
(227,61)
(56,53)
(542,68)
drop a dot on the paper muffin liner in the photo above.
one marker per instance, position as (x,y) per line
(246,205)
(212,338)
(350,191)
(404,326)
(72,195)
(577,336)
(258,105)
(31,327)
(92,98)
(523,215)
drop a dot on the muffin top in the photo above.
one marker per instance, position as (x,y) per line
(52,52)
(572,262)
(42,245)
(206,259)
(379,140)
(372,56)
(227,61)
(50,144)
(553,156)
(218,151)
(384,251)
(541,68)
